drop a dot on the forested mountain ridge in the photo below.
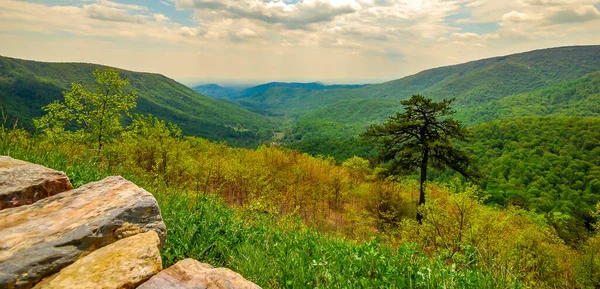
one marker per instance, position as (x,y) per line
(26,86)
(579,97)
(473,83)
(216,91)
(481,81)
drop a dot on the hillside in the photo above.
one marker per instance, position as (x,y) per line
(287,220)
(472,84)
(546,164)
(478,82)
(580,97)
(26,86)
(553,82)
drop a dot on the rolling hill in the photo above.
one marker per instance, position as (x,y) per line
(26,86)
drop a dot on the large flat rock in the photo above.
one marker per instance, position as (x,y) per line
(191,274)
(123,264)
(23,183)
(39,240)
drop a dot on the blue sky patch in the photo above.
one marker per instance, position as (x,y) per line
(166,7)
(465,27)
(479,28)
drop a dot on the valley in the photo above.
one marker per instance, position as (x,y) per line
(275,181)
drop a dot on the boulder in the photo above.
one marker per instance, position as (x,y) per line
(123,264)
(39,240)
(23,183)
(191,274)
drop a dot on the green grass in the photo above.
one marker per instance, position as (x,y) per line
(273,258)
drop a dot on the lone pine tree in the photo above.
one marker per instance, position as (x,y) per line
(419,138)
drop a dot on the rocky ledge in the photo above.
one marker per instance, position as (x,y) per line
(23,183)
(105,234)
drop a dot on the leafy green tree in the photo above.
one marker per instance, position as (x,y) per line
(420,138)
(94,115)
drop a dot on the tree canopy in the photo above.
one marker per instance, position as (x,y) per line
(94,115)
(419,138)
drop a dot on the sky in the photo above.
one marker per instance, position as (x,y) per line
(333,41)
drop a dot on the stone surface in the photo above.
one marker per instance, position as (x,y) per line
(123,264)
(191,274)
(23,183)
(39,240)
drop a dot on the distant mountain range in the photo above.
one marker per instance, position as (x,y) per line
(26,86)
(217,91)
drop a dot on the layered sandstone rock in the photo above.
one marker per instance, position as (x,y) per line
(39,240)
(23,183)
(123,264)
(191,274)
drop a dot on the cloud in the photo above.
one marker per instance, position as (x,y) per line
(121,5)
(100,12)
(292,15)
(243,35)
(514,17)
(574,15)
(160,17)
(552,3)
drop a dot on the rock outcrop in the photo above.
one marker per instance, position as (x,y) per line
(23,183)
(39,240)
(123,264)
(191,274)
(105,234)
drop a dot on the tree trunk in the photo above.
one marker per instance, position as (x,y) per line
(423,179)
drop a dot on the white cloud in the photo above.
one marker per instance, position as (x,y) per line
(514,17)
(297,15)
(311,38)
(160,17)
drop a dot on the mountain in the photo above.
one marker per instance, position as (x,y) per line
(481,81)
(472,84)
(217,91)
(551,82)
(260,89)
(26,86)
